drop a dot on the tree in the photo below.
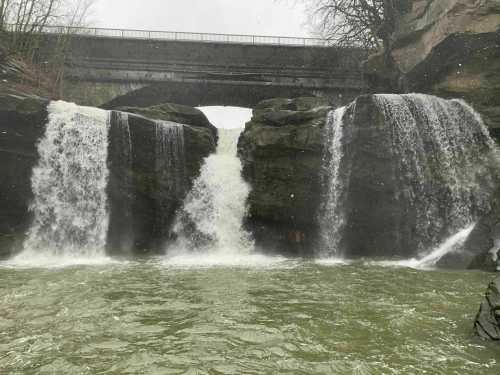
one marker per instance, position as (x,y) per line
(24,19)
(22,27)
(358,23)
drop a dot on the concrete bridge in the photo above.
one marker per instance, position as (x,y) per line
(124,67)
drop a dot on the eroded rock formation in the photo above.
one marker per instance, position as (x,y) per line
(281,150)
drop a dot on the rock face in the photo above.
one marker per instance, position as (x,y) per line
(281,152)
(487,324)
(451,48)
(152,165)
(22,120)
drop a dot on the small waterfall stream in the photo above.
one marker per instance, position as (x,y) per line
(211,220)
(331,216)
(70,207)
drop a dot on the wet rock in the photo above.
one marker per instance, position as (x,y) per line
(154,186)
(22,120)
(487,324)
(281,152)
(181,114)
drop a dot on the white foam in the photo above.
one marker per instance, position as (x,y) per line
(224,259)
(332,261)
(26,261)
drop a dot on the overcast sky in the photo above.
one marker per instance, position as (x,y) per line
(265,17)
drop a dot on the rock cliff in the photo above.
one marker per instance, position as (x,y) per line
(451,48)
(22,120)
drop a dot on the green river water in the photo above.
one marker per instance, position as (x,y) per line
(288,317)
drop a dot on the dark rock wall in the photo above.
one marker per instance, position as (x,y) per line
(22,120)
(281,150)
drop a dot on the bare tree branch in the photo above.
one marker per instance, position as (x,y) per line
(353,23)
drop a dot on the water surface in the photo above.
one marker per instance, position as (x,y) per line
(279,317)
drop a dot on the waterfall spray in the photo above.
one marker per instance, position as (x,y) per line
(70,206)
(213,213)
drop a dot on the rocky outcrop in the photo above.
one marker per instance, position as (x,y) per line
(281,152)
(450,48)
(423,25)
(487,324)
(144,191)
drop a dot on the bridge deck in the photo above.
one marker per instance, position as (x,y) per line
(184,36)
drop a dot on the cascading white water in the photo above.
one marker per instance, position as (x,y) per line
(441,146)
(440,159)
(170,171)
(70,207)
(211,220)
(331,218)
(169,156)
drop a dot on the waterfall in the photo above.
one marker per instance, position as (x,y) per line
(440,145)
(433,173)
(169,156)
(211,220)
(170,173)
(70,206)
(331,217)
(121,188)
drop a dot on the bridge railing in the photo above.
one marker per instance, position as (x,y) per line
(184,36)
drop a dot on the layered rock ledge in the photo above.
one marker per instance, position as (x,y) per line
(281,151)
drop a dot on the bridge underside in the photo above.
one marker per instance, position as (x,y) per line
(114,94)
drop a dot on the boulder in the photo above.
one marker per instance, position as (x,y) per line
(281,151)
(487,323)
